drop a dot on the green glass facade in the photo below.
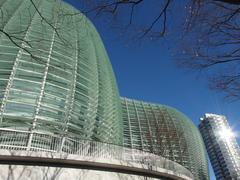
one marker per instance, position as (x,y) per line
(58,78)
(164,131)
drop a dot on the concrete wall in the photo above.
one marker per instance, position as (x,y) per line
(19,172)
(32,165)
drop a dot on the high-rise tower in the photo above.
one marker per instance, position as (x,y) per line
(222,147)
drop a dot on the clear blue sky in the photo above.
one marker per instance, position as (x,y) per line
(148,72)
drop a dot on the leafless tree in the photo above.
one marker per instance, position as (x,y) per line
(210,28)
(213,44)
(210,33)
(127,14)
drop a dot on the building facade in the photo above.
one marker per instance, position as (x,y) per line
(59,78)
(222,147)
(166,132)
(58,95)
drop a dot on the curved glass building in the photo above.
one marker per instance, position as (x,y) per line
(166,132)
(55,75)
(58,93)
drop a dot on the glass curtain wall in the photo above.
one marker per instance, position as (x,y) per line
(166,132)
(55,76)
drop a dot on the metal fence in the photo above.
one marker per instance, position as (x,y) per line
(35,141)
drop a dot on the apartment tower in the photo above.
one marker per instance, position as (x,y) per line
(221,145)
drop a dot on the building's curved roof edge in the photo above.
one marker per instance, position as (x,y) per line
(157,104)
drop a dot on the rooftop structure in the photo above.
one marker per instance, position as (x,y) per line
(222,147)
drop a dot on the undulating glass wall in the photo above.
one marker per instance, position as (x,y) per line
(55,75)
(166,132)
(56,79)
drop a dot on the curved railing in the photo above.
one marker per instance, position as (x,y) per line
(35,141)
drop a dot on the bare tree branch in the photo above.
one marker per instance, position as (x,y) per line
(211,32)
(214,44)
(163,12)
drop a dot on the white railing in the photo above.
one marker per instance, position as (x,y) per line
(19,140)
